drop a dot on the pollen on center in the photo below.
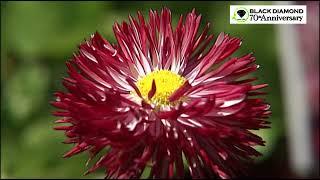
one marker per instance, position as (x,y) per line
(166,82)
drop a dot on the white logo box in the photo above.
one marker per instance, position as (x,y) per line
(268,14)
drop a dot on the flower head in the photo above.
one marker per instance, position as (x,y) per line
(162,94)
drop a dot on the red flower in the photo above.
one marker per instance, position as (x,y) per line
(159,95)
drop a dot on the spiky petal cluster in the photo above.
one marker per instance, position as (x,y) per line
(209,126)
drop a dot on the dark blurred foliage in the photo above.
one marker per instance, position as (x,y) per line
(37,38)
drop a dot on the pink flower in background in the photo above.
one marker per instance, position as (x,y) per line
(309,44)
(162,94)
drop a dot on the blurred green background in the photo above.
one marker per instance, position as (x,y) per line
(37,38)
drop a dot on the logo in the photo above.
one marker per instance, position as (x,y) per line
(268,14)
(240,14)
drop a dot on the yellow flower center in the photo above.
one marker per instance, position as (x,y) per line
(166,82)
